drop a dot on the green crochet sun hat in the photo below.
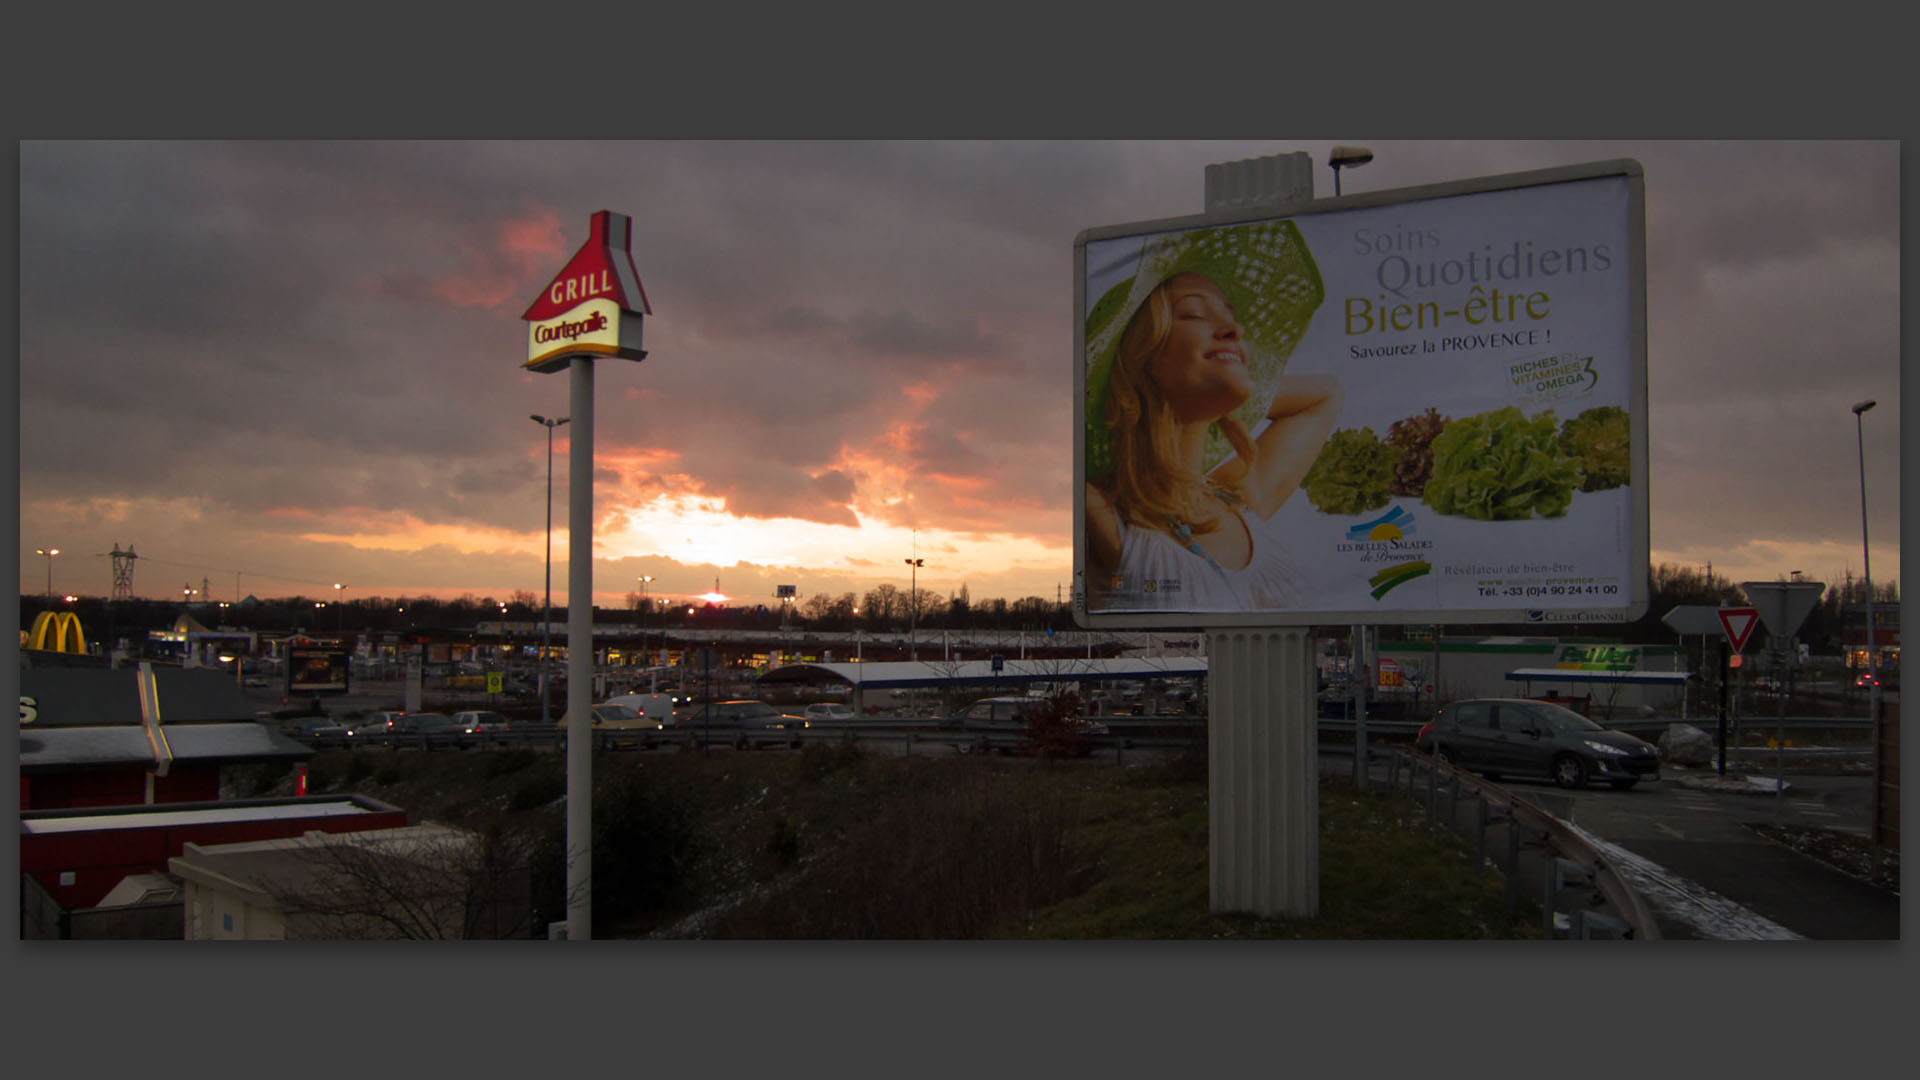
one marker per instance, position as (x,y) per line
(1269,279)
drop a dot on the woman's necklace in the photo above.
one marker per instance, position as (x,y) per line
(1184,532)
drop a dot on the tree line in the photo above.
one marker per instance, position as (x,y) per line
(886,608)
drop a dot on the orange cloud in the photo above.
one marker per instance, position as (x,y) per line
(496,273)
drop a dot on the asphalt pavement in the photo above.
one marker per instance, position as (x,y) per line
(1685,844)
(1702,837)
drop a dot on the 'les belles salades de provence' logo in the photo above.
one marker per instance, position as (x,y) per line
(1388,539)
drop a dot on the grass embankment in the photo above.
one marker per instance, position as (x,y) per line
(834,843)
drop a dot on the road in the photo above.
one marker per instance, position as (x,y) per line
(1699,864)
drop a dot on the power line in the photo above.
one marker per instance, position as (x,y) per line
(263,575)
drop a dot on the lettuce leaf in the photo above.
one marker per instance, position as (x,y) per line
(1353,474)
(1601,439)
(1501,466)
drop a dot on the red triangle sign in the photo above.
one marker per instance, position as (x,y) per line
(1738,622)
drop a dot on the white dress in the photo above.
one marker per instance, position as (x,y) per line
(1159,573)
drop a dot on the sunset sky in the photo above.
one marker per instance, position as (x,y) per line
(277,366)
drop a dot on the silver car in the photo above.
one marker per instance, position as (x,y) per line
(826,712)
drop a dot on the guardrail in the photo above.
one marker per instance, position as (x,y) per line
(1140,732)
(1565,863)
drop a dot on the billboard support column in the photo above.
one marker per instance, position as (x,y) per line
(1263,774)
(580,654)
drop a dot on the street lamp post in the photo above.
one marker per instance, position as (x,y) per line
(340,608)
(546,611)
(645,603)
(646,657)
(913,600)
(1346,157)
(49,553)
(1866,556)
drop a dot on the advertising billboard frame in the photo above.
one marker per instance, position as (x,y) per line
(1632,590)
(304,675)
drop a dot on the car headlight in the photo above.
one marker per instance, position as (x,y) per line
(1603,748)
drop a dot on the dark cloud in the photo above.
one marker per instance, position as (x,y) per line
(334,326)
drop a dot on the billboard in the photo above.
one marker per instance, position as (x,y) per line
(316,668)
(1413,406)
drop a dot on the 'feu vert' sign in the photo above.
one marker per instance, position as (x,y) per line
(1598,658)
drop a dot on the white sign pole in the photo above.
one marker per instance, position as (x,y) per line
(592,308)
(580,655)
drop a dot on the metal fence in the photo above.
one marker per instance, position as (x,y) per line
(1582,894)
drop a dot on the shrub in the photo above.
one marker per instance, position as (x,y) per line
(963,849)
(536,791)
(642,844)
(820,759)
(508,762)
(268,777)
(1054,728)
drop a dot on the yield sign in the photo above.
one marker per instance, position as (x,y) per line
(1738,622)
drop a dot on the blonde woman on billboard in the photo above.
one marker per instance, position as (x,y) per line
(1196,436)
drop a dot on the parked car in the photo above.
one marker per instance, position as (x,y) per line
(743,720)
(827,712)
(610,716)
(1521,737)
(1009,715)
(379,723)
(480,725)
(316,730)
(429,729)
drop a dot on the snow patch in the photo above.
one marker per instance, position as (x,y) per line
(1715,917)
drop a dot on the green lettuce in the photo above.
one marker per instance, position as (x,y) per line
(1353,474)
(1601,439)
(1501,466)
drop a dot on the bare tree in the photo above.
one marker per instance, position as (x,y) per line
(882,605)
(420,882)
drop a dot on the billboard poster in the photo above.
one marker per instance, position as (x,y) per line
(1418,406)
(316,669)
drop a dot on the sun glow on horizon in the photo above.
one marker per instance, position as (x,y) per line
(700,530)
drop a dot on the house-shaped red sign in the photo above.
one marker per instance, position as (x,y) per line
(593,307)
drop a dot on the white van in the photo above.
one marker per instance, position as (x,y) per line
(655,707)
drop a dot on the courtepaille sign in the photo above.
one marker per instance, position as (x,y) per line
(593,307)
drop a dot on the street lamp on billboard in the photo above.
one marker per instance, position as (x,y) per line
(546,611)
(1346,157)
(1866,556)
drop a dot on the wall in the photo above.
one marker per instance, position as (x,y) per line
(43,919)
(219,915)
(118,787)
(98,859)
